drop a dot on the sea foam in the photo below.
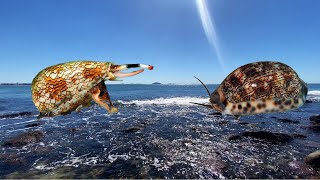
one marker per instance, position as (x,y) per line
(313,95)
(183,101)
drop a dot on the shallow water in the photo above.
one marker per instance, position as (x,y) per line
(156,134)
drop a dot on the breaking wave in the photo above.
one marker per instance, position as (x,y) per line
(314,96)
(184,101)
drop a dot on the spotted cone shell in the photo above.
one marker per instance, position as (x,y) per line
(260,87)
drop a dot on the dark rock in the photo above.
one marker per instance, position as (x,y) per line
(243,123)
(313,159)
(223,122)
(269,136)
(15,115)
(265,136)
(289,121)
(273,117)
(308,101)
(132,129)
(15,161)
(34,124)
(73,129)
(25,138)
(314,128)
(143,124)
(215,114)
(315,119)
(299,136)
(234,138)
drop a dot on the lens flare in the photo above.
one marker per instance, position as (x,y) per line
(209,28)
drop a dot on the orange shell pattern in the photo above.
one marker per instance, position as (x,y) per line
(262,81)
(61,88)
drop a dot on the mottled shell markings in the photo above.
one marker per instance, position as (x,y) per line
(56,89)
(63,88)
(259,87)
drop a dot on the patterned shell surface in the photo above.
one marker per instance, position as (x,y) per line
(262,80)
(63,87)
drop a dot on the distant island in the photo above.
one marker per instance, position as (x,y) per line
(156,83)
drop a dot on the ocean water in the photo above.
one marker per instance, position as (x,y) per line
(157,133)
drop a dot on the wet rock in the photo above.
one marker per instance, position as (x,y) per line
(265,136)
(314,128)
(288,121)
(215,114)
(243,123)
(313,159)
(25,138)
(299,136)
(234,138)
(15,161)
(308,101)
(132,129)
(315,119)
(73,129)
(34,124)
(143,124)
(15,115)
(223,122)
(5,156)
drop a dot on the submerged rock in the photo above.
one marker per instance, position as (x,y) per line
(132,129)
(139,127)
(223,122)
(308,101)
(34,124)
(289,121)
(313,159)
(265,136)
(243,123)
(215,114)
(299,136)
(315,119)
(25,138)
(15,161)
(314,128)
(15,115)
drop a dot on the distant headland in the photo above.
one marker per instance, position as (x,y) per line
(156,83)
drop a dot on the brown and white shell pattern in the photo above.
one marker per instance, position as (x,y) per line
(63,87)
(262,87)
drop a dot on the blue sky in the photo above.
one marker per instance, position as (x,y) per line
(168,34)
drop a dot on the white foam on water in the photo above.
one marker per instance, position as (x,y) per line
(314,95)
(114,157)
(184,101)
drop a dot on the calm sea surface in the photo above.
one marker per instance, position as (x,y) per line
(156,134)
